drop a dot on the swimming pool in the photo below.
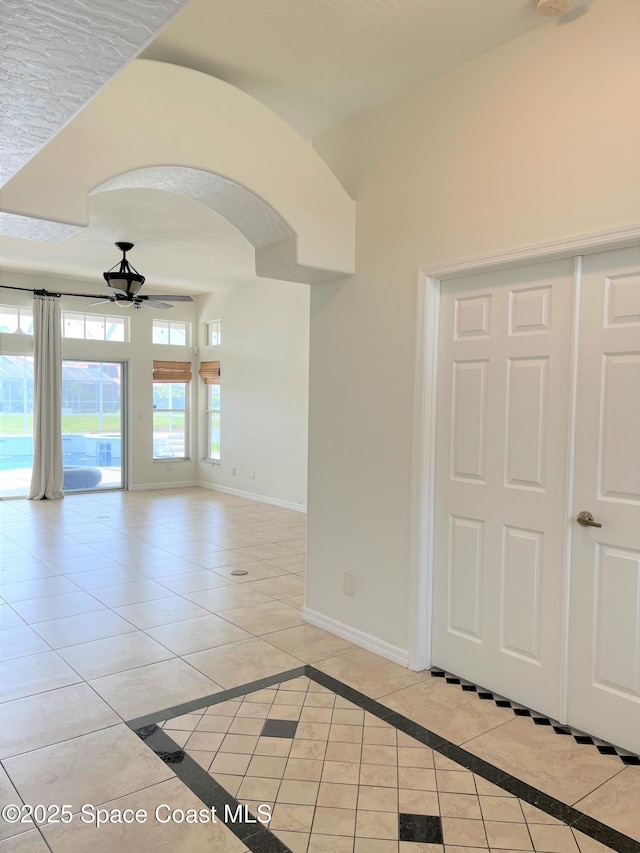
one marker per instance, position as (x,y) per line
(19,462)
(13,463)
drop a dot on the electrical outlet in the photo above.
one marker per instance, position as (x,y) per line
(253,475)
(233,472)
(349,583)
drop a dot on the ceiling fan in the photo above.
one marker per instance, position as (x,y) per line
(125,281)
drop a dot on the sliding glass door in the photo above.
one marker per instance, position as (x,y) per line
(93,419)
(93,416)
(16,424)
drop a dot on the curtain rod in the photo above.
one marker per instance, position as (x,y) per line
(42,292)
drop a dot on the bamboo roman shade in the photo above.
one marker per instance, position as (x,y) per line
(210,372)
(172,371)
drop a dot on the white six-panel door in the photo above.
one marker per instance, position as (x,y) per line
(501,475)
(604,658)
(502,524)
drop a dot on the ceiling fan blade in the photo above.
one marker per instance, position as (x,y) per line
(102,302)
(118,291)
(168,298)
(153,303)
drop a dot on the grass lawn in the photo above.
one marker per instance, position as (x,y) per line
(87,424)
(15,424)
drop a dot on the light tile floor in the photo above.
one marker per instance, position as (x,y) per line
(117,605)
(334,775)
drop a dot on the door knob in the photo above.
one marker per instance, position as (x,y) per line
(585,519)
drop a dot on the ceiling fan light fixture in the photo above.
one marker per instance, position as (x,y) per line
(123,276)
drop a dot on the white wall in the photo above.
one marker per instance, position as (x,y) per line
(264,358)
(535,141)
(139,353)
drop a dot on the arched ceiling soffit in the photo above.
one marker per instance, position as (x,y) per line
(255,220)
(162,126)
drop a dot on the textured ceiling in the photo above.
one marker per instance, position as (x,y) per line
(317,62)
(55,55)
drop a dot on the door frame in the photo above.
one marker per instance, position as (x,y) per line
(430,280)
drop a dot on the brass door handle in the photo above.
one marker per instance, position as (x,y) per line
(585,519)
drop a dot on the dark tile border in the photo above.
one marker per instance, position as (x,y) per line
(253,835)
(261,840)
(604,748)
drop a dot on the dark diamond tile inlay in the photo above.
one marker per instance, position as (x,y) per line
(519,711)
(421,828)
(607,750)
(279,728)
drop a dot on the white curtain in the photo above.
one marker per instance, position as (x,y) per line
(47,476)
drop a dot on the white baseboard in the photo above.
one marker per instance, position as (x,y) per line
(358,638)
(263,499)
(145,487)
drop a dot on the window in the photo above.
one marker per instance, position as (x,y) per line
(171,332)
(94,327)
(213,333)
(15,320)
(170,399)
(213,423)
(210,372)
